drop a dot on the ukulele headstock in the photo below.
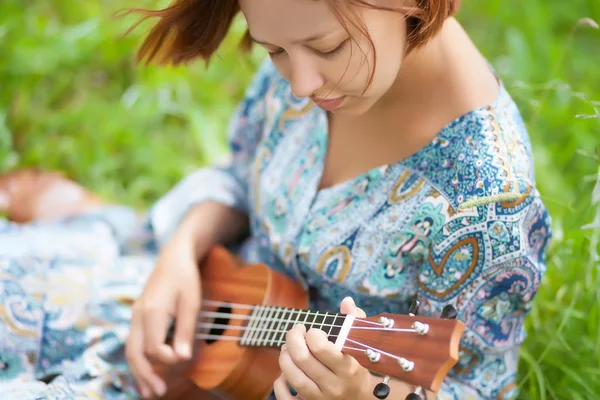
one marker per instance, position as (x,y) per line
(417,350)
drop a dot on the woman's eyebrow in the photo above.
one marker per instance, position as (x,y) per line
(311,38)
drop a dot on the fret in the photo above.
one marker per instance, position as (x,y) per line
(255,322)
(280,327)
(323,322)
(332,329)
(284,321)
(305,318)
(288,325)
(316,320)
(249,327)
(267,317)
(272,326)
(258,326)
(332,325)
(268,325)
(260,330)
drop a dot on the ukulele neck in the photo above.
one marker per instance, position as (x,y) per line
(267,325)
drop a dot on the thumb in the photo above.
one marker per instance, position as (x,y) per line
(348,306)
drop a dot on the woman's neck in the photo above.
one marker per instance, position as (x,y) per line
(448,71)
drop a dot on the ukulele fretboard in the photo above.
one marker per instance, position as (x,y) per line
(268,325)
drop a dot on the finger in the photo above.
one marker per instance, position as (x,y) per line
(349,307)
(324,352)
(301,369)
(281,389)
(296,378)
(185,328)
(301,354)
(144,391)
(148,382)
(137,369)
(156,324)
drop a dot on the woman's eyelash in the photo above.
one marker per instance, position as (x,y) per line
(336,50)
(327,54)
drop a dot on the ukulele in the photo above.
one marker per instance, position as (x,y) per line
(247,310)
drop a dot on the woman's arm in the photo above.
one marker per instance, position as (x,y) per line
(210,223)
(214,200)
(490,271)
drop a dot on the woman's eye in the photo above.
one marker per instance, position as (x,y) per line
(276,52)
(327,54)
(336,50)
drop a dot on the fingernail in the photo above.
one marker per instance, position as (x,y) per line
(183,349)
(144,391)
(300,327)
(160,387)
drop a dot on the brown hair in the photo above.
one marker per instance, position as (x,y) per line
(191,29)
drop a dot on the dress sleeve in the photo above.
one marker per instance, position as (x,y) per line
(226,182)
(490,271)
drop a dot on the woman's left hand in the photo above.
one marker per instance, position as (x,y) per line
(316,369)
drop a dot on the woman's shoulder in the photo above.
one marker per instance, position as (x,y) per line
(485,152)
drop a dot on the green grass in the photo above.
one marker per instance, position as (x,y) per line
(72,99)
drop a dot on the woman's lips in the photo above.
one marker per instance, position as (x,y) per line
(329,104)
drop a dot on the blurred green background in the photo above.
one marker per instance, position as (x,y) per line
(72,98)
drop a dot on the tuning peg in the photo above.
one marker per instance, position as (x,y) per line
(449,312)
(382,390)
(414,307)
(416,394)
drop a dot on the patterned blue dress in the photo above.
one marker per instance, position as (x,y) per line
(397,231)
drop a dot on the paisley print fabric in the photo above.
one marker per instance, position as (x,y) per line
(384,237)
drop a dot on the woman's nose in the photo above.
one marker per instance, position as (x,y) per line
(306,79)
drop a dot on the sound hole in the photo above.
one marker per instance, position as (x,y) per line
(220,321)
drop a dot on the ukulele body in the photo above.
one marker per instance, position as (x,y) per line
(222,369)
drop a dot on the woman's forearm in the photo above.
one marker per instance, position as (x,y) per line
(210,223)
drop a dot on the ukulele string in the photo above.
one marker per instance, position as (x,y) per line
(279,343)
(261,321)
(241,328)
(273,340)
(210,325)
(215,314)
(216,303)
(373,348)
(238,339)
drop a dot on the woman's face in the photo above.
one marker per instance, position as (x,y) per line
(312,50)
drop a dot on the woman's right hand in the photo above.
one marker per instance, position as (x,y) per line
(172,291)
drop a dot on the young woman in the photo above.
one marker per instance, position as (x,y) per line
(376,158)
